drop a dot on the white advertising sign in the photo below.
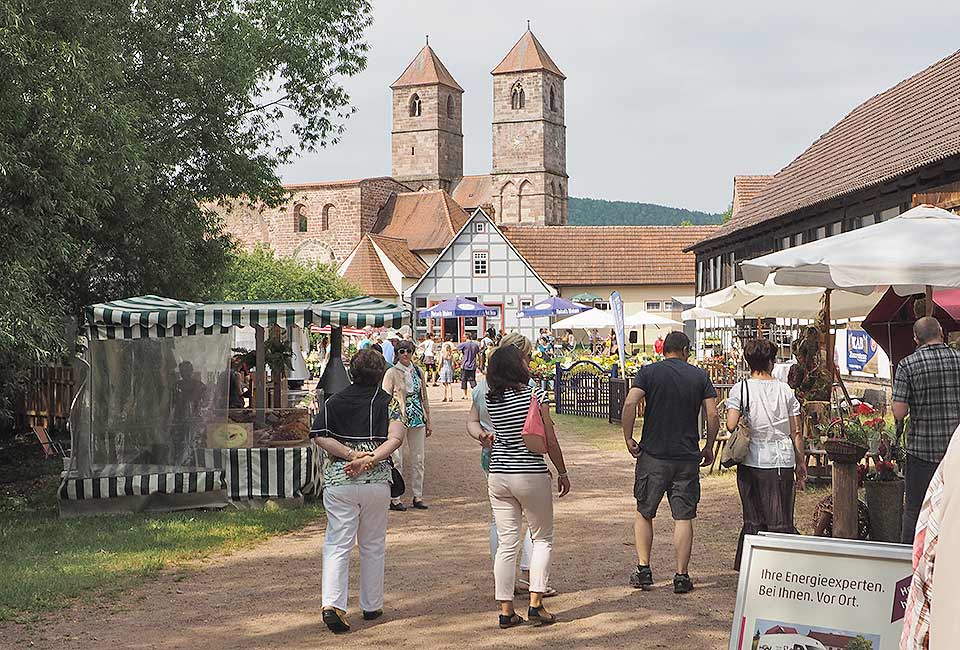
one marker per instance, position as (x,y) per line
(814,593)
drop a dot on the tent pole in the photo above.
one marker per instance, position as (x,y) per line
(928,302)
(829,338)
(643,338)
(260,379)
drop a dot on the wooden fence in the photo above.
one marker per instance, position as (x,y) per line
(582,389)
(44,398)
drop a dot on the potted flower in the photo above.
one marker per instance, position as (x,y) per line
(851,436)
(884,491)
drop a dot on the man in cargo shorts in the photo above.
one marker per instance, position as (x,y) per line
(668,454)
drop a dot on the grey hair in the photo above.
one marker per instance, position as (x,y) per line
(927,330)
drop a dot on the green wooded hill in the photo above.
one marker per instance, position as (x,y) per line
(597,212)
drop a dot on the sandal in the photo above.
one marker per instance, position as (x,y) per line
(513,620)
(540,617)
(334,620)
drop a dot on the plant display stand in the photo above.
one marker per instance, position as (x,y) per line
(885,504)
(845,456)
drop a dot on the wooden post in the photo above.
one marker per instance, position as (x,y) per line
(845,500)
(928,302)
(260,380)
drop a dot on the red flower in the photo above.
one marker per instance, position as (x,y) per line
(864,409)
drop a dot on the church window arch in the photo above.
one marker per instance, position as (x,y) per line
(517,97)
(329,214)
(300,217)
(416,106)
(450,107)
(524,201)
(553,99)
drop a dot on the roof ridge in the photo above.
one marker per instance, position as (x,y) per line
(426,69)
(520,61)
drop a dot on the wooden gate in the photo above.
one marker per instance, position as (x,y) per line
(582,389)
(44,398)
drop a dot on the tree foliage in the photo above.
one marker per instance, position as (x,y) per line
(261,275)
(599,212)
(119,118)
(860,642)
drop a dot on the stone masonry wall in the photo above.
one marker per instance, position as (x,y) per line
(428,147)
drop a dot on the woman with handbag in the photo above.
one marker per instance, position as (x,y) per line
(358,428)
(519,481)
(407,386)
(763,419)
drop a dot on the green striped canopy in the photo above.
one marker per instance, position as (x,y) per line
(155,317)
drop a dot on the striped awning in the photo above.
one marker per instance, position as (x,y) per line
(156,317)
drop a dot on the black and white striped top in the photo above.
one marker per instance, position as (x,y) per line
(509,455)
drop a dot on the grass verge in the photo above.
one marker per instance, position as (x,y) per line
(48,561)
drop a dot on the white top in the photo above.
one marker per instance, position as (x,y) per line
(485,342)
(427,347)
(771,403)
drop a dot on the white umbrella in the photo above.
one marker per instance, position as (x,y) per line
(642,320)
(702,313)
(917,249)
(590,319)
(773,300)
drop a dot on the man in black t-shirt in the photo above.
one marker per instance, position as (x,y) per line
(668,454)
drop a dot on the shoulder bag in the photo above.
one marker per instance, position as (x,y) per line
(737,447)
(534,433)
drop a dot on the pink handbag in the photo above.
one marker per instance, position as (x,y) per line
(534,434)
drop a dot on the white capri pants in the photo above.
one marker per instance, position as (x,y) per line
(415,442)
(356,513)
(512,496)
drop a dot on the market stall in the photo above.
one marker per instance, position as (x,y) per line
(152,428)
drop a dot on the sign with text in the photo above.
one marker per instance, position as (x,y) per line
(861,351)
(616,303)
(819,593)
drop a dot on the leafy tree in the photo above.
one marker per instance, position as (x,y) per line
(599,212)
(261,275)
(727,214)
(686,222)
(860,643)
(119,118)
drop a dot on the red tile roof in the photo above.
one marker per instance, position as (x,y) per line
(474,191)
(745,188)
(366,271)
(913,124)
(780,629)
(428,220)
(397,251)
(426,69)
(602,255)
(528,54)
(318,184)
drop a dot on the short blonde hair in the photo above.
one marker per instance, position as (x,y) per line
(518,341)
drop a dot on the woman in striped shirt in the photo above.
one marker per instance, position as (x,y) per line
(519,481)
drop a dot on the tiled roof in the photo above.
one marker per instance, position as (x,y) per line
(831,640)
(366,271)
(474,191)
(428,220)
(745,188)
(426,69)
(396,249)
(599,255)
(913,124)
(355,181)
(527,55)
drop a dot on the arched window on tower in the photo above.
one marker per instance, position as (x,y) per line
(553,99)
(328,214)
(450,106)
(517,99)
(300,217)
(415,107)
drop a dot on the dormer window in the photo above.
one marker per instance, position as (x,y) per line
(415,106)
(517,98)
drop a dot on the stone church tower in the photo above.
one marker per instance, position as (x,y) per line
(529,137)
(427,137)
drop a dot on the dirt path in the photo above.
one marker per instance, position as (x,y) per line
(439,576)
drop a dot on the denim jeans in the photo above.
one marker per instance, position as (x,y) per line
(917,476)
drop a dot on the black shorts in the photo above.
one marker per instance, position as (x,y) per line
(430,363)
(678,479)
(468,377)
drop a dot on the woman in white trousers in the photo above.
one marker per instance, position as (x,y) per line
(358,430)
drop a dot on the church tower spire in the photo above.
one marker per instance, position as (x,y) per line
(427,136)
(529,137)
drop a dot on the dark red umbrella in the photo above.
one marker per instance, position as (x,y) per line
(890,322)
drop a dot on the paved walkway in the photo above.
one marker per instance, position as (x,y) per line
(439,576)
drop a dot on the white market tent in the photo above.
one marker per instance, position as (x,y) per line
(603,318)
(917,249)
(769,300)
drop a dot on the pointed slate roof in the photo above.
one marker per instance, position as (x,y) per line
(528,54)
(428,220)
(366,271)
(424,70)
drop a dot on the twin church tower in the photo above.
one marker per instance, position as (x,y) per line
(528,181)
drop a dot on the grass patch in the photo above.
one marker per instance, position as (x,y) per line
(48,561)
(594,431)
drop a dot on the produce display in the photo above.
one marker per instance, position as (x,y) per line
(282,427)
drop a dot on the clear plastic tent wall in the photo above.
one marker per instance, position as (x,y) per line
(147,404)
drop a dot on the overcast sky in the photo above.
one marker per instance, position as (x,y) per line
(665,101)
